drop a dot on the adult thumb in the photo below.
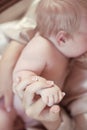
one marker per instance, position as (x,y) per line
(8,99)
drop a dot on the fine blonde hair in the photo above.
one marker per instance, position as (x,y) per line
(55,15)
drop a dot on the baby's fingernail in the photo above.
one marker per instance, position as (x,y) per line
(35,78)
(50,82)
(50,104)
(8,109)
(63,94)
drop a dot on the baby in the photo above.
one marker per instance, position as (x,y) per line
(36,65)
(62,35)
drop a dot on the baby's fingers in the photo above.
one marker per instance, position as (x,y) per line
(51,100)
(60,96)
(55,99)
(37,86)
(32,90)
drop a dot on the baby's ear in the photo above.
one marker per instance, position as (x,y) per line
(62,38)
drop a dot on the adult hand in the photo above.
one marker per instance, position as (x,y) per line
(37,109)
(6,91)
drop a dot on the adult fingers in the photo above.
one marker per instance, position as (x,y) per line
(21,86)
(42,112)
(37,86)
(35,113)
(8,100)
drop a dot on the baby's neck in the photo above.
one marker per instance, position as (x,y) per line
(64,58)
(65,70)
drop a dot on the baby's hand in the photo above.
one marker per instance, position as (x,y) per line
(52,95)
(31,92)
(21,85)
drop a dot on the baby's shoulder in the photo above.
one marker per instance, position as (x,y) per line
(44,43)
(40,45)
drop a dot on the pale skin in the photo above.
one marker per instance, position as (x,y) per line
(65,45)
(49,116)
(8,67)
(10,60)
(39,64)
(83,38)
(7,64)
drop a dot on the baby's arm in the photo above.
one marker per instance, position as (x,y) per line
(31,62)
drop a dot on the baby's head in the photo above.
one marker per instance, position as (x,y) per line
(64,22)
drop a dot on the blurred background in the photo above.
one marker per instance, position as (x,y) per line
(13,9)
(13,18)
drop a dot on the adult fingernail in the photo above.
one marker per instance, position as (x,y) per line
(55,109)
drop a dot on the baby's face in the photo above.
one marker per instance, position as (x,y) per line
(72,45)
(79,39)
(76,44)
